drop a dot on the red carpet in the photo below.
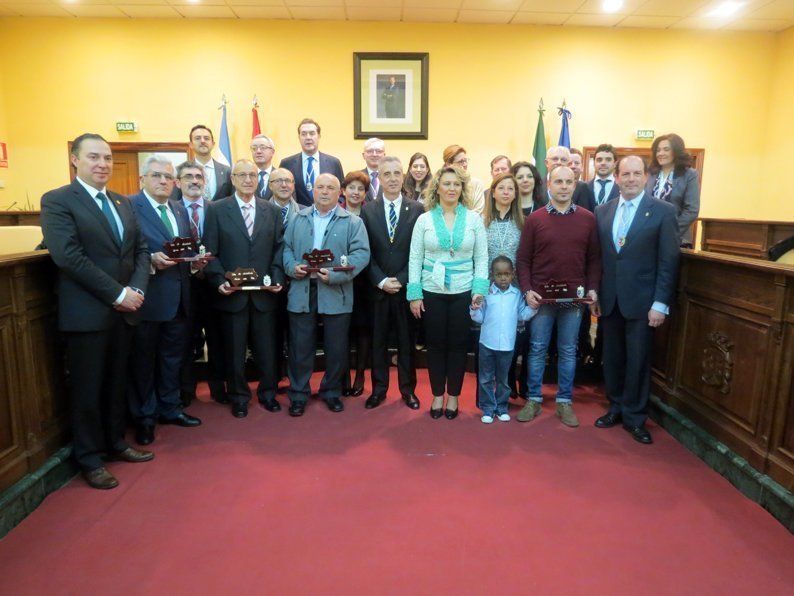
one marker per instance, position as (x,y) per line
(390,501)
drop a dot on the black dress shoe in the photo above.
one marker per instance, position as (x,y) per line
(639,434)
(411,401)
(373,401)
(608,420)
(182,420)
(187,397)
(356,392)
(335,404)
(221,398)
(297,408)
(347,392)
(450,414)
(239,410)
(144,434)
(271,405)
(436,414)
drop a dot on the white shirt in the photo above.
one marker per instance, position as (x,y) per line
(265,179)
(94,192)
(315,165)
(398,202)
(607,187)
(243,206)
(169,213)
(210,183)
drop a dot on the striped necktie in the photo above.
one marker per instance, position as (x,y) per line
(284,211)
(602,193)
(392,221)
(248,218)
(194,225)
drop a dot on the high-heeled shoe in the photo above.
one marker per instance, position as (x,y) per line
(436,414)
(450,414)
(356,391)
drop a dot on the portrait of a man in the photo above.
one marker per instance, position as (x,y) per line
(391,96)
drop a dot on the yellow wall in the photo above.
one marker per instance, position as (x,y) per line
(780,125)
(713,88)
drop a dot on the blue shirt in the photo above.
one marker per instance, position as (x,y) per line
(499,316)
(320,223)
(657,306)
(200,202)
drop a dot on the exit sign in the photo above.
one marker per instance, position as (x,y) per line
(644,134)
(126,127)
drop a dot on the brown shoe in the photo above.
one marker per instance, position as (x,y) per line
(530,411)
(100,478)
(134,456)
(566,414)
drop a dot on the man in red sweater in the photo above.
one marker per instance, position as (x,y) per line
(558,243)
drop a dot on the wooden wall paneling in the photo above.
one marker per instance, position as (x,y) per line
(743,237)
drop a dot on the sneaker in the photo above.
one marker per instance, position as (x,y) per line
(486,419)
(531,410)
(566,414)
(504,417)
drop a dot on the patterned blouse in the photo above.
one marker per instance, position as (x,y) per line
(503,238)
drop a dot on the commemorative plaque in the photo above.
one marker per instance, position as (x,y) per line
(320,259)
(560,292)
(184,250)
(248,280)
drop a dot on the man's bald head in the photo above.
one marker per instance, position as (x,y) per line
(326,192)
(282,184)
(632,173)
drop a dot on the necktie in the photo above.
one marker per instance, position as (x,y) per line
(309,173)
(375,183)
(260,188)
(108,212)
(284,211)
(623,226)
(208,177)
(194,218)
(248,218)
(392,221)
(166,222)
(602,193)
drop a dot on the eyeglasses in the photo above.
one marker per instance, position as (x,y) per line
(262,147)
(246,175)
(192,177)
(160,176)
(461,162)
(282,181)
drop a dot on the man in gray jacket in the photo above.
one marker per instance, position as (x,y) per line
(326,294)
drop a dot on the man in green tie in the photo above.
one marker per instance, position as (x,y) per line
(103,272)
(161,339)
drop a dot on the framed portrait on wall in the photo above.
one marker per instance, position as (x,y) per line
(390,95)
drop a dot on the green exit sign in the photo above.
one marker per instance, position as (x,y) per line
(126,127)
(644,134)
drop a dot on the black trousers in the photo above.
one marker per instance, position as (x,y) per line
(249,327)
(627,365)
(205,325)
(447,324)
(158,352)
(518,376)
(391,312)
(302,347)
(98,372)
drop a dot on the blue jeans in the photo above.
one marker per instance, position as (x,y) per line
(494,392)
(567,319)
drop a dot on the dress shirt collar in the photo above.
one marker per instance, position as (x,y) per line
(242,204)
(155,205)
(554,211)
(397,202)
(635,201)
(610,178)
(316,156)
(494,289)
(187,202)
(90,189)
(316,213)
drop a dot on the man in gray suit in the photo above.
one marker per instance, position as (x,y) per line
(639,253)
(307,165)
(326,294)
(103,270)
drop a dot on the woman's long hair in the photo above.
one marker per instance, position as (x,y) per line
(681,159)
(490,213)
(409,184)
(431,191)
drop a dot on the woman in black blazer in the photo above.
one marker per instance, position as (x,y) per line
(672,179)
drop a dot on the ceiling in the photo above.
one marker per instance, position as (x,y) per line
(752,15)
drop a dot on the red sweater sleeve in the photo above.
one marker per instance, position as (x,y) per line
(593,263)
(526,247)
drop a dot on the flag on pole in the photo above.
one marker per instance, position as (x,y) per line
(565,135)
(255,130)
(539,150)
(223,142)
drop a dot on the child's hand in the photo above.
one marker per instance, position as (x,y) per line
(476,301)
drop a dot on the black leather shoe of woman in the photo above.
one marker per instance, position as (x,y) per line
(436,414)
(450,414)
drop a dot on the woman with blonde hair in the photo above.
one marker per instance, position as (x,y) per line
(447,272)
(455,155)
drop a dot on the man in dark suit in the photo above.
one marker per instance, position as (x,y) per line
(390,221)
(374,150)
(639,251)
(206,321)
(103,268)
(160,339)
(262,151)
(246,232)
(307,165)
(217,181)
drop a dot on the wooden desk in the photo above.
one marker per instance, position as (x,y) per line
(20,218)
(727,355)
(743,237)
(33,401)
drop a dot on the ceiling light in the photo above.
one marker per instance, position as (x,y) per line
(612,5)
(725,9)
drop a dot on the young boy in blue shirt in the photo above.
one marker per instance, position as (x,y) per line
(498,314)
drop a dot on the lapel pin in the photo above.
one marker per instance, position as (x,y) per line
(118,202)
(647,213)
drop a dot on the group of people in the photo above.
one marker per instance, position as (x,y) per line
(409,250)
